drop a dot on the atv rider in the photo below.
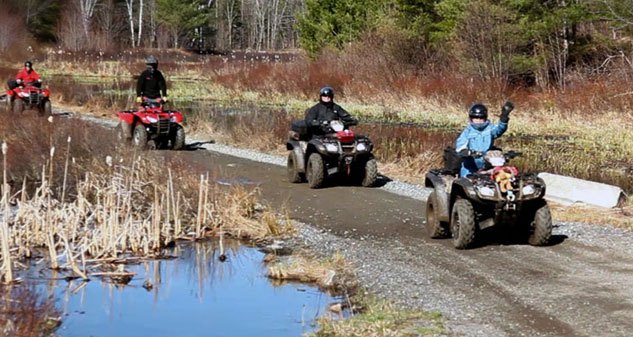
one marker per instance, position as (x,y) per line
(151,83)
(478,137)
(26,76)
(317,118)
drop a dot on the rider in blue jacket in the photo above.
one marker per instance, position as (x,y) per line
(479,136)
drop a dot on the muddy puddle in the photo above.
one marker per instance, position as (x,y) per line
(192,294)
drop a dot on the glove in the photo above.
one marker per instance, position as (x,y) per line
(139,99)
(165,99)
(505,111)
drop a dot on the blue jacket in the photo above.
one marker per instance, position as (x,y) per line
(478,139)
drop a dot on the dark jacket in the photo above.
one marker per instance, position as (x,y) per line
(325,112)
(151,84)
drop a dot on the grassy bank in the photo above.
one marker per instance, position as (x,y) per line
(358,313)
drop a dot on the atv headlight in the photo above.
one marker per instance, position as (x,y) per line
(360,147)
(528,190)
(486,191)
(172,119)
(23,94)
(331,147)
(152,119)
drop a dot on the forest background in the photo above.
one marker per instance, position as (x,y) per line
(512,42)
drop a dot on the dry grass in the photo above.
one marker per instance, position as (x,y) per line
(333,274)
(88,202)
(618,217)
(377,318)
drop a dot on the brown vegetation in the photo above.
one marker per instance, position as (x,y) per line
(24,313)
(72,192)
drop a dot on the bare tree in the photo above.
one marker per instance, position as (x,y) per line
(130,14)
(87,8)
(110,27)
(11,30)
(70,29)
(485,41)
(140,21)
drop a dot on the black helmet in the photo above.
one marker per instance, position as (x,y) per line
(478,111)
(28,63)
(151,60)
(327,91)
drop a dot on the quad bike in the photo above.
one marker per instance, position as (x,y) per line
(500,196)
(151,126)
(29,96)
(340,152)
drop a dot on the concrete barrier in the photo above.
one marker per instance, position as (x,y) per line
(569,190)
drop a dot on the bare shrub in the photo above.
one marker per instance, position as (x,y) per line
(13,33)
(70,31)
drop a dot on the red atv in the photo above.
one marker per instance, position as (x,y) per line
(151,126)
(29,96)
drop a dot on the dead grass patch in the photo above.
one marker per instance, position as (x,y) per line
(379,318)
(618,217)
(334,273)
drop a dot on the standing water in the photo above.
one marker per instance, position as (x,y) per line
(192,295)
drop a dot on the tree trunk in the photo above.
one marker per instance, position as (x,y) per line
(140,21)
(130,15)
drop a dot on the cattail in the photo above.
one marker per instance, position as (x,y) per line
(50,119)
(52,151)
(109,160)
(5,148)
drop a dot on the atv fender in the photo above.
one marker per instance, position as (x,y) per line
(300,162)
(442,201)
(462,187)
(316,145)
(126,117)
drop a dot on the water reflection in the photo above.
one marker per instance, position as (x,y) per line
(192,295)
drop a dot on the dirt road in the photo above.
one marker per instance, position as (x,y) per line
(579,286)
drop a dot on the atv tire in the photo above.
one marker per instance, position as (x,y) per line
(540,230)
(18,106)
(47,109)
(435,228)
(315,172)
(139,137)
(294,176)
(370,173)
(178,141)
(463,226)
